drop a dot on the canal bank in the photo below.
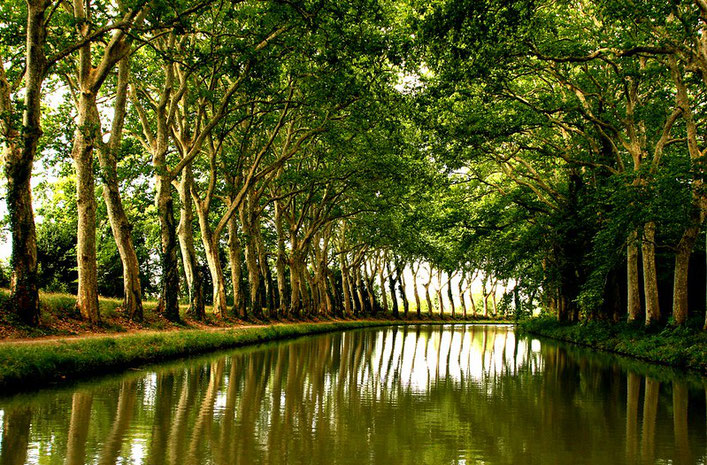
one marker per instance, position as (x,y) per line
(38,363)
(683,347)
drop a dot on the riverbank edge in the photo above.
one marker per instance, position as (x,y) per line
(41,363)
(683,348)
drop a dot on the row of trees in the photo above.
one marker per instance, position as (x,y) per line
(573,136)
(232,144)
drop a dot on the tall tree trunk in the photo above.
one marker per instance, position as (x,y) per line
(251,257)
(216,270)
(369,277)
(169,301)
(462,300)
(650,274)
(439,293)
(210,242)
(235,258)
(268,293)
(20,150)
(450,296)
(473,303)
(120,226)
(85,138)
(345,284)
(634,293)
(391,284)
(417,294)
(400,270)
(297,300)
(185,233)
(430,307)
(680,282)
(359,289)
(281,260)
(381,279)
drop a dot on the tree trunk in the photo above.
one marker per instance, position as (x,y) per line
(471,300)
(120,226)
(82,154)
(25,294)
(634,293)
(185,233)
(680,283)
(213,260)
(359,289)
(391,284)
(450,296)
(19,159)
(169,298)
(430,307)
(250,257)
(369,278)
(439,293)
(462,301)
(235,259)
(217,279)
(267,291)
(345,285)
(650,275)
(417,294)
(400,270)
(381,279)
(281,261)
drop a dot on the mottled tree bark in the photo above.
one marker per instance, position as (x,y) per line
(281,260)
(235,258)
(120,226)
(634,292)
(680,281)
(169,298)
(415,270)
(20,151)
(650,275)
(185,234)
(82,153)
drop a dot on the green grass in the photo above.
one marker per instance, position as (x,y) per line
(684,347)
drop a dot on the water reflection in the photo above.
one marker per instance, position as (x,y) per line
(419,394)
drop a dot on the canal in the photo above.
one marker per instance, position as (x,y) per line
(425,394)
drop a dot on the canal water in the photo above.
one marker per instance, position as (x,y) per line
(395,395)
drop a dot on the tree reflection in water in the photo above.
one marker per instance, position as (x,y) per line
(406,395)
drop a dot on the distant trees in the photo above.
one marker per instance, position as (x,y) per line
(577,133)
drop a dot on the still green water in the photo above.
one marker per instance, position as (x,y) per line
(398,395)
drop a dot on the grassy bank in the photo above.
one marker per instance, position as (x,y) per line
(677,347)
(39,363)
